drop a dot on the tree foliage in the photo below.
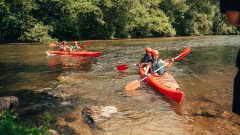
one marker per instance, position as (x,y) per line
(44,20)
(194,17)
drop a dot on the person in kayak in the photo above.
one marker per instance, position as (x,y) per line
(157,63)
(75,47)
(63,47)
(146,58)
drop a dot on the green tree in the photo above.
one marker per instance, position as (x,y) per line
(17,20)
(149,20)
(42,20)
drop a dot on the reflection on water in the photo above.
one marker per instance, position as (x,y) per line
(121,74)
(27,67)
(59,63)
(206,74)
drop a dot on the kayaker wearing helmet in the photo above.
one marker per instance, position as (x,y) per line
(75,47)
(63,47)
(157,63)
(147,56)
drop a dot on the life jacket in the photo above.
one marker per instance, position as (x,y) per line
(75,48)
(146,59)
(155,66)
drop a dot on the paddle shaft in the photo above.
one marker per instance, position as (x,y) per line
(80,46)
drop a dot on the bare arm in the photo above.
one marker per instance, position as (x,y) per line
(147,69)
(169,64)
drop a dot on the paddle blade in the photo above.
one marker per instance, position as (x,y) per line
(122,67)
(84,45)
(133,85)
(88,43)
(183,53)
(81,46)
(52,45)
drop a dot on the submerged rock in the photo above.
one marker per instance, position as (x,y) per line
(205,109)
(68,103)
(107,111)
(33,109)
(209,109)
(54,93)
(97,114)
(44,90)
(212,118)
(226,115)
(52,132)
(7,102)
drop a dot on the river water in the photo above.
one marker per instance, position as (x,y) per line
(205,75)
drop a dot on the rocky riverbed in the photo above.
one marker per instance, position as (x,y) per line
(75,114)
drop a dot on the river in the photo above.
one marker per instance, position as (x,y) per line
(205,75)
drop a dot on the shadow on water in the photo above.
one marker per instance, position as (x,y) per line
(20,74)
(43,75)
(26,97)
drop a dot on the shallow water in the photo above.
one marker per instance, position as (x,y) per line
(206,74)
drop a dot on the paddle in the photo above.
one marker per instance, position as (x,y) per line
(52,44)
(187,50)
(136,83)
(125,66)
(122,67)
(81,46)
(84,45)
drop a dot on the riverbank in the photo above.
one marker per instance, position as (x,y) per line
(125,39)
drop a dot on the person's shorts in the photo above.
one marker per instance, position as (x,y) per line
(233,5)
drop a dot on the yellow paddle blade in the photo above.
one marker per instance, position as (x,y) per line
(133,85)
(52,45)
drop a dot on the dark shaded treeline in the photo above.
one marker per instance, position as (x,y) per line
(46,20)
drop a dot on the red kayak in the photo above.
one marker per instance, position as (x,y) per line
(80,53)
(165,84)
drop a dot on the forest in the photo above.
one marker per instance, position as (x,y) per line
(57,20)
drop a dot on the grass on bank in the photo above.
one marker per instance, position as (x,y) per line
(11,125)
